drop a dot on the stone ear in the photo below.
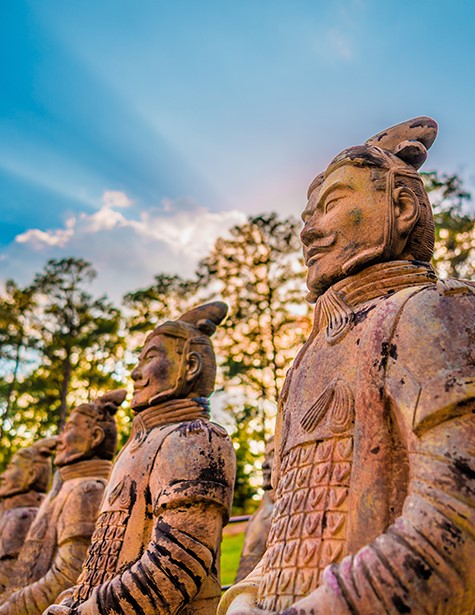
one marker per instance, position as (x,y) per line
(194,365)
(406,210)
(34,474)
(98,436)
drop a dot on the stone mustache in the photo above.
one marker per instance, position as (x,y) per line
(56,545)
(156,544)
(374,469)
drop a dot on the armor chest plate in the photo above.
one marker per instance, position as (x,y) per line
(310,521)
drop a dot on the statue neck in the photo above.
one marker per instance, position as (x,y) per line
(85,468)
(171,411)
(334,309)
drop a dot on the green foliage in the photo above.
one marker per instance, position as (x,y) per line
(454,254)
(59,347)
(16,338)
(248,429)
(80,336)
(166,299)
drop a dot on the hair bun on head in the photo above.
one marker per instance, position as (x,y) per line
(46,446)
(206,317)
(112,400)
(408,140)
(412,153)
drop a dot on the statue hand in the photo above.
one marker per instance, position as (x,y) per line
(245,605)
(58,609)
(249,611)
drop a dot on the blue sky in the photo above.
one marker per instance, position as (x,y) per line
(133,132)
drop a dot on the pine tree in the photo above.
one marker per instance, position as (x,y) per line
(80,336)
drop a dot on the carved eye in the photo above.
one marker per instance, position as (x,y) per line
(330,204)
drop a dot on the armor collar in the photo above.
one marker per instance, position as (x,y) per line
(97,468)
(334,309)
(30,499)
(172,411)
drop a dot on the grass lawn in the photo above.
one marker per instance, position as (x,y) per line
(230,554)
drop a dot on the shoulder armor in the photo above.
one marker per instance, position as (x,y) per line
(431,372)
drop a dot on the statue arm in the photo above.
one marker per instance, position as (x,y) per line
(191,487)
(13,531)
(75,528)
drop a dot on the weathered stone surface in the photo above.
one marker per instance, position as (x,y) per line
(375,463)
(57,541)
(22,489)
(156,544)
(258,527)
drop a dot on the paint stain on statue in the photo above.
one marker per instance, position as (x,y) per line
(361,315)
(463,475)
(387,350)
(451,535)
(400,605)
(422,570)
(356,216)
(214,472)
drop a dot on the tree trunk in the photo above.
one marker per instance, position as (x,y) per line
(63,410)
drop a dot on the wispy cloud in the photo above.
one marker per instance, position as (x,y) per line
(40,240)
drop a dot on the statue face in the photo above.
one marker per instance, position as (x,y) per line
(78,440)
(157,373)
(18,476)
(344,224)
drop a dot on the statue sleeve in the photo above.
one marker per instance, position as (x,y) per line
(191,487)
(13,531)
(423,563)
(74,531)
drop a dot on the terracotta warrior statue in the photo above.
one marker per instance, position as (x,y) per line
(22,489)
(56,545)
(375,457)
(156,546)
(259,524)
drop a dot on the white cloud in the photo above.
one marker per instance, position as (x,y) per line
(40,239)
(127,248)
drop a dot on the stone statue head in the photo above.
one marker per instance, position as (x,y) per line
(29,469)
(177,360)
(90,431)
(370,206)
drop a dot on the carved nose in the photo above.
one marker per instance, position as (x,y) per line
(308,233)
(135,375)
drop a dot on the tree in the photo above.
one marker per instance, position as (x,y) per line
(259,272)
(166,299)
(80,338)
(454,225)
(17,306)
